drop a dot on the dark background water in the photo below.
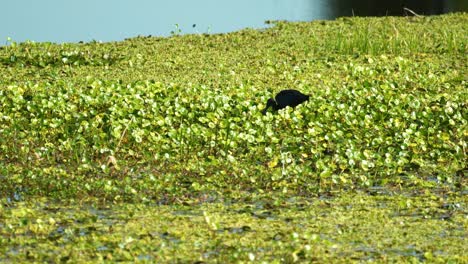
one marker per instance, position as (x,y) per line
(395,8)
(109,20)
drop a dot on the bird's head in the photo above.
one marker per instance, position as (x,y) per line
(270,103)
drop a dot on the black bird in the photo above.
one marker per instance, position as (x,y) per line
(286,98)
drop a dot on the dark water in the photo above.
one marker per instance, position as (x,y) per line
(108,20)
(395,8)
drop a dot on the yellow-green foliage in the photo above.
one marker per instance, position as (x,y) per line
(151,116)
(155,150)
(384,227)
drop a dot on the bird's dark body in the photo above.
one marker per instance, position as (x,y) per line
(285,98)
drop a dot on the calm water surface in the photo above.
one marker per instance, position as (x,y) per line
(108,20)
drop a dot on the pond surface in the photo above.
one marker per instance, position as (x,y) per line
(111,20)
(395,227)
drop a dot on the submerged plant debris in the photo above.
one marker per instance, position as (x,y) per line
(156,150)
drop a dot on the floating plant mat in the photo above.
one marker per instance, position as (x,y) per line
(168,135)
(362,226)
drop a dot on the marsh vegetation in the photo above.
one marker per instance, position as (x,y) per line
(156,149)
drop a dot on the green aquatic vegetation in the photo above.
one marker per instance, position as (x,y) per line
(42,55)
(367,131)
(354,227)
(396,36)
(158,151)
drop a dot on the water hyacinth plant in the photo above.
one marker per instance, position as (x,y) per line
(105,145)
(368,130)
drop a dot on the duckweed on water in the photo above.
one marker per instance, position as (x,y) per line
(148,126)
(342,228)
